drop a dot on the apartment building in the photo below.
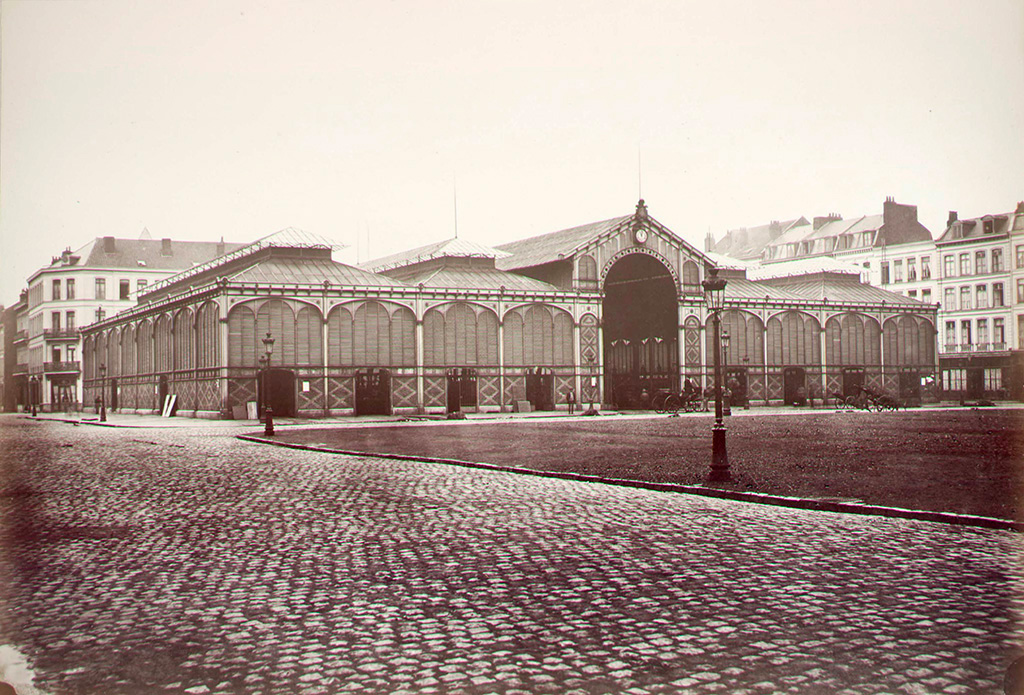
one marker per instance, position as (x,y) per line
(80,287)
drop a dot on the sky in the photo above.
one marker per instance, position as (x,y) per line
(386,125)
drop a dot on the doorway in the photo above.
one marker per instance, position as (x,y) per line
(373,391)
(461,389)
(794,382)
(853,381)
(279,391)
(910,387)
(641,316)
(540,388)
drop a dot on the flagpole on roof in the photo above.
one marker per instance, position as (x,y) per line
(455,202)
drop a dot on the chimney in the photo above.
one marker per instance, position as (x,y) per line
(709,242)
(1020,208)
(220,247)
(108,245)
(952,219)
(165,247)
(821,221)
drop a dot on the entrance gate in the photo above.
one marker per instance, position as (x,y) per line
(461,389)
(793,386)
(279,385)
(540,388)
(373,392)
(853,380)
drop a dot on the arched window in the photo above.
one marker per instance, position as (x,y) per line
(242,337)
(114,353)
(461,334)
(793,339)
(371,334)
(207,344)
(184,339)
(746,338)
(691,278)
(853,339)
(162,344)
(144,346)
(538,335)
(909,341)
(277,318)
(588,273)
(128,351)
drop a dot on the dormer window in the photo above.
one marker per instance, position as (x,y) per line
(989,226)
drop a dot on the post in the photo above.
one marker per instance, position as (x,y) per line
(268,429)
(714,290)
(727,404)
(32,383)
(103,395)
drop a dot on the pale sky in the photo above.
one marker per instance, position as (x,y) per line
(356,120)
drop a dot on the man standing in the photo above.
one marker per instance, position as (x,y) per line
(570,398)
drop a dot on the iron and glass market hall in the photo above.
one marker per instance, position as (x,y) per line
(613,311)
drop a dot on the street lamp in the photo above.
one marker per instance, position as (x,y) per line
(33,386)
(727,404)
(262,404)
(268,345)
(714,292)
(103,384)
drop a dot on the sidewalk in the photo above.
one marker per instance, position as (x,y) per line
(115,419)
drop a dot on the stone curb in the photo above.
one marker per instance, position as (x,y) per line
(754,497)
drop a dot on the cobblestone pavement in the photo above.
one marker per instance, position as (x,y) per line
(187,561)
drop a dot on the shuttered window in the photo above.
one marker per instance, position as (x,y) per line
(144,346)
(793,340)
(278,319)
(162,344)
(746,337)
(539,335)
(183,339)
(460,334)
(207,343)
(339,337)
(114,353)
(241,337)
(128,351)
(309,340)
(909,341)
(853,340)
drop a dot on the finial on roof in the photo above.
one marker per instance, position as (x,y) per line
(641,210)
(145,234)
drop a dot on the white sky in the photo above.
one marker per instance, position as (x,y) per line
(351,119)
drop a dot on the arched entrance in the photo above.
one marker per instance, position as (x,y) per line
(641,315)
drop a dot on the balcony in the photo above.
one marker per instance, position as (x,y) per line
(55,367)
(21,336)
(60,334)
(965,347)
(21,368)
(998,346)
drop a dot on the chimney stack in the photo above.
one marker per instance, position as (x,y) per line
(165,247)
(109,246)
(952,218)
(220,247)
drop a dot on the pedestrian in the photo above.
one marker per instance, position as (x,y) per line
(570,398)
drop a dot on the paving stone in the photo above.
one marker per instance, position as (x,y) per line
(204,564)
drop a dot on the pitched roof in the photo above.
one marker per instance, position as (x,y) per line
(802,266)
(149,253)
(974,228)
(749,242)
(277,269)
(838,288)
(553,246)
(742,288)
(477,278)
(448,248)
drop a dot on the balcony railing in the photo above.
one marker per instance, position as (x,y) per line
(60,333)
(965,347)
(61,366)
(21,368)
(21,335)
(998,346)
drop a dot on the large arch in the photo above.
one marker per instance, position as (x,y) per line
(641,315)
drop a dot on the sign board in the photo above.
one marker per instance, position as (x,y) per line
(250,410)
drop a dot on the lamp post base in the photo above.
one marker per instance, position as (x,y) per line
(719,457)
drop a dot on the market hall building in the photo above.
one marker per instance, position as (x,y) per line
(612,310)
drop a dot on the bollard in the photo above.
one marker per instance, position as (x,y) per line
(268,430)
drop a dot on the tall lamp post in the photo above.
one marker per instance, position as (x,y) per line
(268,346)
(727,404)
(714,291)
(33,386)
(103,388)
(262,400)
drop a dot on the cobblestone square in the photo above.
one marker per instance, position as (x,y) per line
(184,560)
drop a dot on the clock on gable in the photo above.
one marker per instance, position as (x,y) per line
(640,235)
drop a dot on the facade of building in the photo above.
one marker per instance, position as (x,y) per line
(612,310)
(15,347)
(979,336)
(971,272)
(87,285)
